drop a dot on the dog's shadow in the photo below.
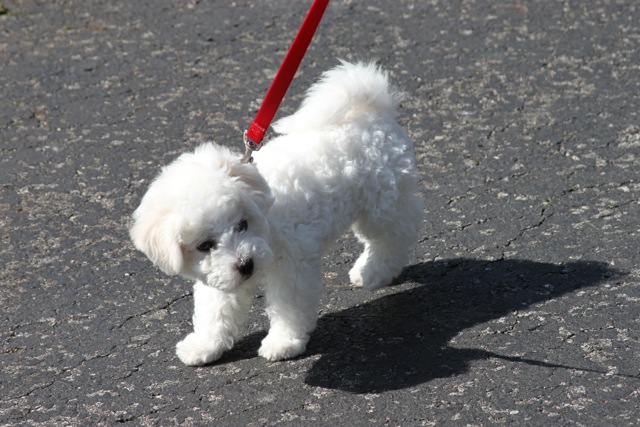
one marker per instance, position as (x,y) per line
(402,339)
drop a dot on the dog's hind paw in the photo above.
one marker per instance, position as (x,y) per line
(196,351)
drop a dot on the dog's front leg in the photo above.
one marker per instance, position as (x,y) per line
(218,318)
(292,305)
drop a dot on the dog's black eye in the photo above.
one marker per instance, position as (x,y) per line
(242,226)
(207,245)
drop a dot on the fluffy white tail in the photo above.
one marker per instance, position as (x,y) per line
(342,94)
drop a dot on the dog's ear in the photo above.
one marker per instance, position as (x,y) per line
(254,184)
(155,235)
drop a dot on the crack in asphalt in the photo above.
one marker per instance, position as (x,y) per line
(165,306)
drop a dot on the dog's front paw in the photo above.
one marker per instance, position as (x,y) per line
(370,278)
(280,348)
(196,350)
(355,277)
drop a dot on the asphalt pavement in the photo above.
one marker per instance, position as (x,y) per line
(520,305)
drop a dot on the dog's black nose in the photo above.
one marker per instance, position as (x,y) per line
(245,267)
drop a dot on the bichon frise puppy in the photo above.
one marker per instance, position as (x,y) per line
(340,161)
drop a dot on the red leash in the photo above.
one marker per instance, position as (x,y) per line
(253,136)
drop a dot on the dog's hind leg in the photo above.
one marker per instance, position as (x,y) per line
(387,235)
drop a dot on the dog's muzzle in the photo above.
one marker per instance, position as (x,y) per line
(245,268)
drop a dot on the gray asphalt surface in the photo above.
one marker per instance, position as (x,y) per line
(520,305)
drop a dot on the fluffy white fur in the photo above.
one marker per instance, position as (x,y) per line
(340,161)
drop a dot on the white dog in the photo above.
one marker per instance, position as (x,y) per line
(340,161)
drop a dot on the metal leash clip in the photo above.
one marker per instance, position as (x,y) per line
(250,147)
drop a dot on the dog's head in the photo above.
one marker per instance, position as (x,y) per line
(204,217)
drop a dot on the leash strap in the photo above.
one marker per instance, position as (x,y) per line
(254,135)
